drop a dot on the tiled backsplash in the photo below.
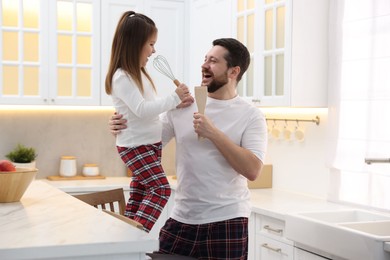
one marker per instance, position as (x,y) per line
(57,132)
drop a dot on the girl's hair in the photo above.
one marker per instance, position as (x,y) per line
(132,32)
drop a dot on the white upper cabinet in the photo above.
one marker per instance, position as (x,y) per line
(209,20)
(170,18)
(49,52)
(56,52)
(288,43)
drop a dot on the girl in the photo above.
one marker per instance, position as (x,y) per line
(134,95)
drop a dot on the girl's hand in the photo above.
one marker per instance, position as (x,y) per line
(185,96)
(182,91)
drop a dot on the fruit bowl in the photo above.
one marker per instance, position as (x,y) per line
(14,184)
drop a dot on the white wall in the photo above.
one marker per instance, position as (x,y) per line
(300,166)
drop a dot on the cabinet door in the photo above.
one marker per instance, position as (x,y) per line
(74,34)
(209,20)
(169,16)
(50,52)
(288,49)
(113,10)
(23,52)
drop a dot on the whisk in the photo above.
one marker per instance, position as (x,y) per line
(161,65)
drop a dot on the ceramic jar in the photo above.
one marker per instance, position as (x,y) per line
(68,166)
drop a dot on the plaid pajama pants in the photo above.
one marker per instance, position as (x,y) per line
(149,188)
(223,240)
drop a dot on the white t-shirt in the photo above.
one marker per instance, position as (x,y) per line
(141,111)
(208,188)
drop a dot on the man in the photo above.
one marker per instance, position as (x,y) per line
(212,206)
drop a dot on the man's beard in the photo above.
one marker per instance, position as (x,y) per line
(217,83)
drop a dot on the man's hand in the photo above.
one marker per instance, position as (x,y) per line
(116,123)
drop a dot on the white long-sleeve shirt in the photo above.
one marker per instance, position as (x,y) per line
(208,188)
(140,110)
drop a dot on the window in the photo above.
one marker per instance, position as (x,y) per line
(359,106)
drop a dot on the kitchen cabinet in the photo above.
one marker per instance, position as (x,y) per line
(270,242)
(170,18)
(209,20)
(57,52)
(50,52)
(288,43)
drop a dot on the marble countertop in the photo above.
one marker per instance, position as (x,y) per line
(91,185)
(48,223)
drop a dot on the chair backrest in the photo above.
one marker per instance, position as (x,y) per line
(105,200)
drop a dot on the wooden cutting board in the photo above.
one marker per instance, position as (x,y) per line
(73,178)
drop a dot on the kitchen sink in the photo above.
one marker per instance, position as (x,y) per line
(378,228)
(343,234)
(345,216)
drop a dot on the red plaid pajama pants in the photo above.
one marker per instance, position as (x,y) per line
(223,240)
(149,187)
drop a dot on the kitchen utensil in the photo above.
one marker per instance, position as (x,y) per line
(299,133)
(276,131)
(287,132)
(201,98)
(161,65)
(68,166)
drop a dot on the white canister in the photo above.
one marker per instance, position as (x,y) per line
(90,169)
(68,166)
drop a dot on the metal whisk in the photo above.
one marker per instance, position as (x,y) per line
(161,65)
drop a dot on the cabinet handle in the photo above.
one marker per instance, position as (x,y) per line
(276,230)
(277,250)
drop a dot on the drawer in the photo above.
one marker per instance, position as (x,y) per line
(271,227)
(269,249)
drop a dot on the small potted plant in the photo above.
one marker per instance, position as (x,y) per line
(22,156)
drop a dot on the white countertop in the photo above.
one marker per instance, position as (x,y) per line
(48,223)
(272,202)
(91,185)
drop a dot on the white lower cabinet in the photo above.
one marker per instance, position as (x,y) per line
(270,243)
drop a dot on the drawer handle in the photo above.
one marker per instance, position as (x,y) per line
(277,250)
(280,231)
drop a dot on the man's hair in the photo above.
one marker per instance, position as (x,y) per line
(237,55)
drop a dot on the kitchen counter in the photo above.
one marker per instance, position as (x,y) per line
(91,185)
(272,202)
(48,223)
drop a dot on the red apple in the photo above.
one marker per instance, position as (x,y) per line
(7,166)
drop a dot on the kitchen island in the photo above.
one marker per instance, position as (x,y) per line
(49,224)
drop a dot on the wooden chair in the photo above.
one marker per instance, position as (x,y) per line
(105,200)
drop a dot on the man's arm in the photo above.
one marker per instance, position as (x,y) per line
(242,160)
